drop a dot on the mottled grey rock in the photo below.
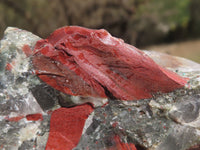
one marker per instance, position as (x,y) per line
(186,110)
(15,82)
(152,123)
(17,96)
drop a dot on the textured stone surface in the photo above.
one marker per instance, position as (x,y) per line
(81,61)
(66,127)
(19,108)
(164,122)
(148,123)
(17,78)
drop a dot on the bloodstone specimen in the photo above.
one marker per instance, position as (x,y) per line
(80,61)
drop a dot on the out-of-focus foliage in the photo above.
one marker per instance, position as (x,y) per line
(195,18)
(156,18)
(139,22)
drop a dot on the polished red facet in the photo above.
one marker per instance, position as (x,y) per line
(66,127)
(80,61)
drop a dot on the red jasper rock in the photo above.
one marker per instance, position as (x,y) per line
(66,127)
(80,61)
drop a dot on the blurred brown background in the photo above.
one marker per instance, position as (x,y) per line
(175,24)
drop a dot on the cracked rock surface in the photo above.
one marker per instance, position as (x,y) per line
(169,121)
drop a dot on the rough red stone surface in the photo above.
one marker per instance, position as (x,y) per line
(66,127)
(34,117)
(80,61)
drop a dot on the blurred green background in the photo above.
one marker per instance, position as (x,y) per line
(143,23)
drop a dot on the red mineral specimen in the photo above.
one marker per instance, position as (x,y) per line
(66,127)
(80,61)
